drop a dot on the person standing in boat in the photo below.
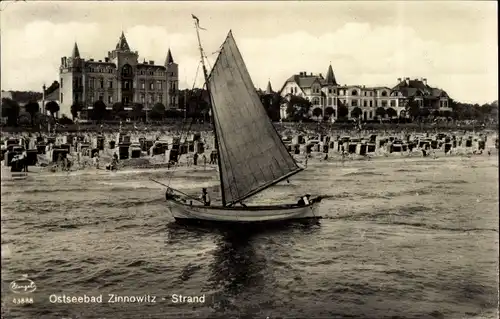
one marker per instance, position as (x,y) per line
(205,198)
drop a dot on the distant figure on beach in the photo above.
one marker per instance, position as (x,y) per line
(204,160)
(205,198)
(195,159)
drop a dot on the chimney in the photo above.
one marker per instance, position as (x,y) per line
(399,80)
(151,62)
(100,60)
(320,75)
(106,59)
(425,81)
(62,61)
(311,74)
(91,60)
(407,79)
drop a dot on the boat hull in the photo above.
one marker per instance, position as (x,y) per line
(250,214)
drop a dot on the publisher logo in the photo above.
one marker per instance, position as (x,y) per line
(23,285)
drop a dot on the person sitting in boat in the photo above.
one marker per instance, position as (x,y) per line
(307,200)
(304,200)
(205,197)
(169,194)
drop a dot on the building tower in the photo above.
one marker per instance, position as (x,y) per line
(125,61)
(269,89)
(172,78)
(71,80)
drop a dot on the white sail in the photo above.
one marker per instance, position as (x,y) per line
(251,152)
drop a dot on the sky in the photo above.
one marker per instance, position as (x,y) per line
(452,43)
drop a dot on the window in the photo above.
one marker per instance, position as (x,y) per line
(330,91)
(384,103)
(160,97)
(371,114)
(127,69)
(150,99)
(126,100)
(384,93)
(62,83)
(142,84)
(143,98)
(110,84)
(91,83)
(365,103)
(393,102)
(329,101)
(101,83)
(126,85)
(151,85)
(101,98)
(371,103)
(354,92)
(365,93)
(354,103)
(158,85)
(62,98)
(151,72)
(110,99)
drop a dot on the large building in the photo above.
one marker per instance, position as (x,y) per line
(326,95)
(120,77)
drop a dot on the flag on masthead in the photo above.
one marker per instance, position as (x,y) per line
(197,22)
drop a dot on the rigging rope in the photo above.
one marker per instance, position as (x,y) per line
(183,128)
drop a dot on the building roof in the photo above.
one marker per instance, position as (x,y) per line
(269,89)
(76,52)
(149,66)
(169,59)
(410,88)
(122,43)
(330,77)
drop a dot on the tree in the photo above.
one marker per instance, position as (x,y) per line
(75,108)
(356,112)
(24,119)
(52,107)
(32,108)
(413,109)
(137,110)
(329,111)
(158,111)
(342,111)
(391,112)
(99,111)
(64,120)
(297,107)
(317,112)
(446,114)
(272,103)
(380,112)
(424,112)
(119,110)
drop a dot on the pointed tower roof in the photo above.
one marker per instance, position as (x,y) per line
(122,43)
(330,77)
(76,52)
(269,89)
(169,58)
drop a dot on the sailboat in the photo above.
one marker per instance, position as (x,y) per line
(251,155)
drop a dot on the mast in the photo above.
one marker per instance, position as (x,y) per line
(205,76)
